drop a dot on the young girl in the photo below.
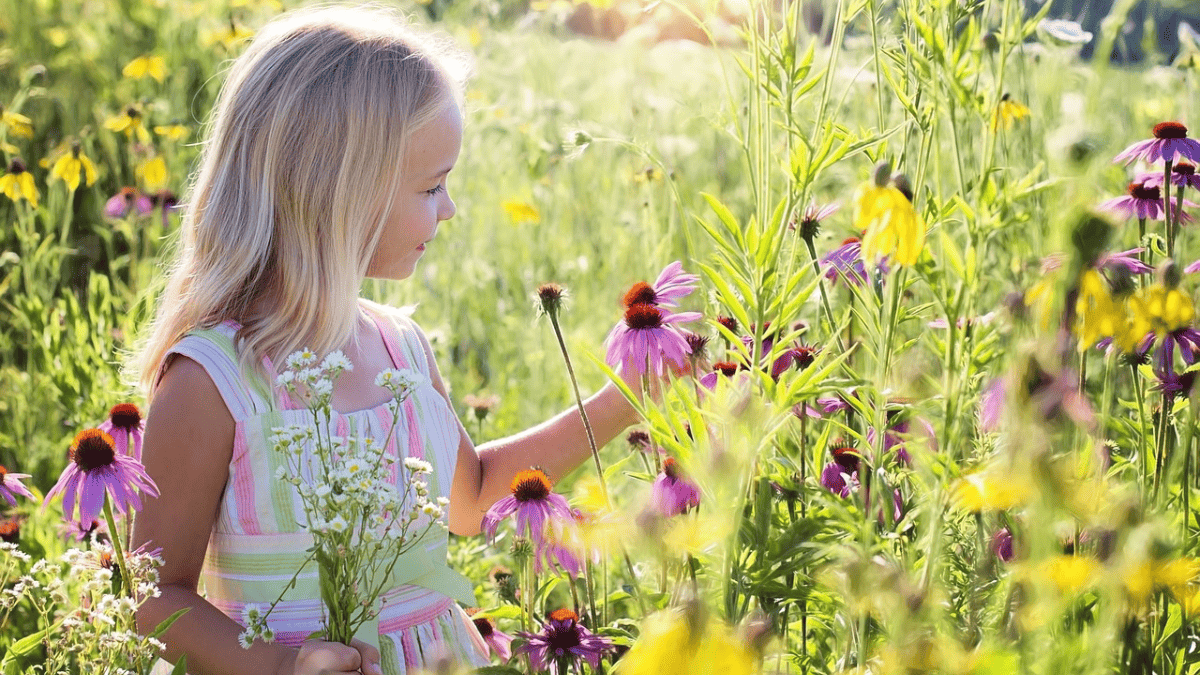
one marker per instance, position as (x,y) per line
(327,163)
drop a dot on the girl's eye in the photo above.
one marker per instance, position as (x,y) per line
(435,189)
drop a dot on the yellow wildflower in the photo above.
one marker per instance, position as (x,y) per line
(130,121)
(521,212)
(990,491)
(667,646)
(230,36)
(649,174)
(1007,112)
(17,123)
(153,173)
(891,225)
(1096,314)
(70,165)
(154,66)
(1174,575)
(1167,309)
(18,183)
(174,132)
(1071,573)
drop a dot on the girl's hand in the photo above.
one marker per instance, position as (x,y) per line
(658,383)
(318,657)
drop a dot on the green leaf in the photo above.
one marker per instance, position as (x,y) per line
(166,623)
(1174,622)
(497,670)
(502,612)
(180,665)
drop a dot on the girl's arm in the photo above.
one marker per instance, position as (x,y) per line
(557,445)
(187,449)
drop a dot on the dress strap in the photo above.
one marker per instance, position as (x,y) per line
(245,394)
(399,337)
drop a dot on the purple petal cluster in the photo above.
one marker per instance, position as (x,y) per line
(1170,141)
(564,639)
(537,508)
(96,469)
(672,493)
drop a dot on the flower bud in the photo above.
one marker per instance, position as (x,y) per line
(1169,274)
(883,173)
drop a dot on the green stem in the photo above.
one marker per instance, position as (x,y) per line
(118,551)
(587,425)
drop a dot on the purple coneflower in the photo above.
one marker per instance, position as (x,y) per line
(126,426)
(1183,174)
(1002,545)
(553,553)
(991,404)
(10,486)
(1142,201)
(10,529)
(672,493)
(720,369)
(845,262)
(1127,259)
(841,475)
(672,283)
(898,432)
(497,640)
(647,335)
(564,639)
(536,505)
(127,198)
(810,221)
(800,357)
(97,468)
(78,532)
(1170,140)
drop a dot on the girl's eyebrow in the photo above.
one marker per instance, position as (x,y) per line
(443,172)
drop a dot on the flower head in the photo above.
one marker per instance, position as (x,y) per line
(1002,544)
(563,638)
(891,225)
(1142,200)
(131,123)
(18,183)
(1007,112)
(550,298)
(497,640)
(672,283)
(1170,140)
(845,262)
(146,66)
(646,337)
(126,426)
(672,493)
(10,486)
(536,506)
(71,165)
(128,198)
(97,468)
(520,211)
(1183,174)
(810,222)
(481,405)
(17,123)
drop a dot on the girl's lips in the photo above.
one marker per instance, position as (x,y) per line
(421,247)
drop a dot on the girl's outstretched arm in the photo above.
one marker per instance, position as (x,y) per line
(557,445)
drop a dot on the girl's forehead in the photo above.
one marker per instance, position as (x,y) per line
(434,147)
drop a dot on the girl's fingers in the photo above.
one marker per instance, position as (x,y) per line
(369,656)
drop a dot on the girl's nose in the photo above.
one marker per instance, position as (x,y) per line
(447,210)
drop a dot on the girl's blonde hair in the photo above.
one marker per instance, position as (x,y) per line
(303,155)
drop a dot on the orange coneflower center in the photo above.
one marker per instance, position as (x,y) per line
(671,468)
(642,293)
(531,485)
(639,438)
(1141,191)
(484,626)
(106,560)
(93,449)
(847,458)
(850,240)
(125,416)
(642,316)
(725,368)
(563,615)
(729,322)
(1170,130)
(133,113)
(3,473)
(1184,168)
(10,530)
(804,356)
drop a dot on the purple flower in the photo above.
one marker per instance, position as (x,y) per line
(672,493)
(647,335)
(553,554)
(841,475)
(1187,342)
(810,222)
(78,532)
(564,639)
(672,283)
(897,435)
(128,198)
(96,468)
(10,486)
(1002,545)
(1127,259)
(1183,174)
(845,262)
(800,356)
(497,640)
(1170,140)
(1142,201)
(720,369)
(991,404)
(536,505)
(125,425)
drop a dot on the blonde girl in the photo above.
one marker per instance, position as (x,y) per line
(326,162)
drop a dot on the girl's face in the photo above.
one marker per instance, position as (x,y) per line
(422,200)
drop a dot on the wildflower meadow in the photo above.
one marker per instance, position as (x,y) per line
(903,293)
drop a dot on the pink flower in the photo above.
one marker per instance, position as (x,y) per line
(1183,174)
(1170,140)
(128,198)
(562,640)
(1002,544)
(1142,201)
(10,486)
(672,283)
(125,425)
(672,493)
(536,506)
(96,469)
(552,554)
(647,336)
(497,640)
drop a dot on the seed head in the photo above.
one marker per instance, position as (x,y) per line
(1170,130)
(550,298)
(697,344)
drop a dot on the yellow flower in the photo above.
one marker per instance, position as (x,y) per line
(153,173)
(521,212)
(174,132)
(1007,112)
(1071,573)
(18,183)
(667,646)
(70,165)
(154,66)
(694,534)
(649,174)
(129,121)
(17,123)
(1174,575)
(1166,309)
(230,36)
(990,491)
(891,225)
(1096,314)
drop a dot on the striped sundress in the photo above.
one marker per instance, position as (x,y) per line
(258,542)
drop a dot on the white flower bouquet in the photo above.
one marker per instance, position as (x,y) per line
(361,523)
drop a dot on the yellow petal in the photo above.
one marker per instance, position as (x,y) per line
(153,173)
(28,188)
(118,123)
(1071,573)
